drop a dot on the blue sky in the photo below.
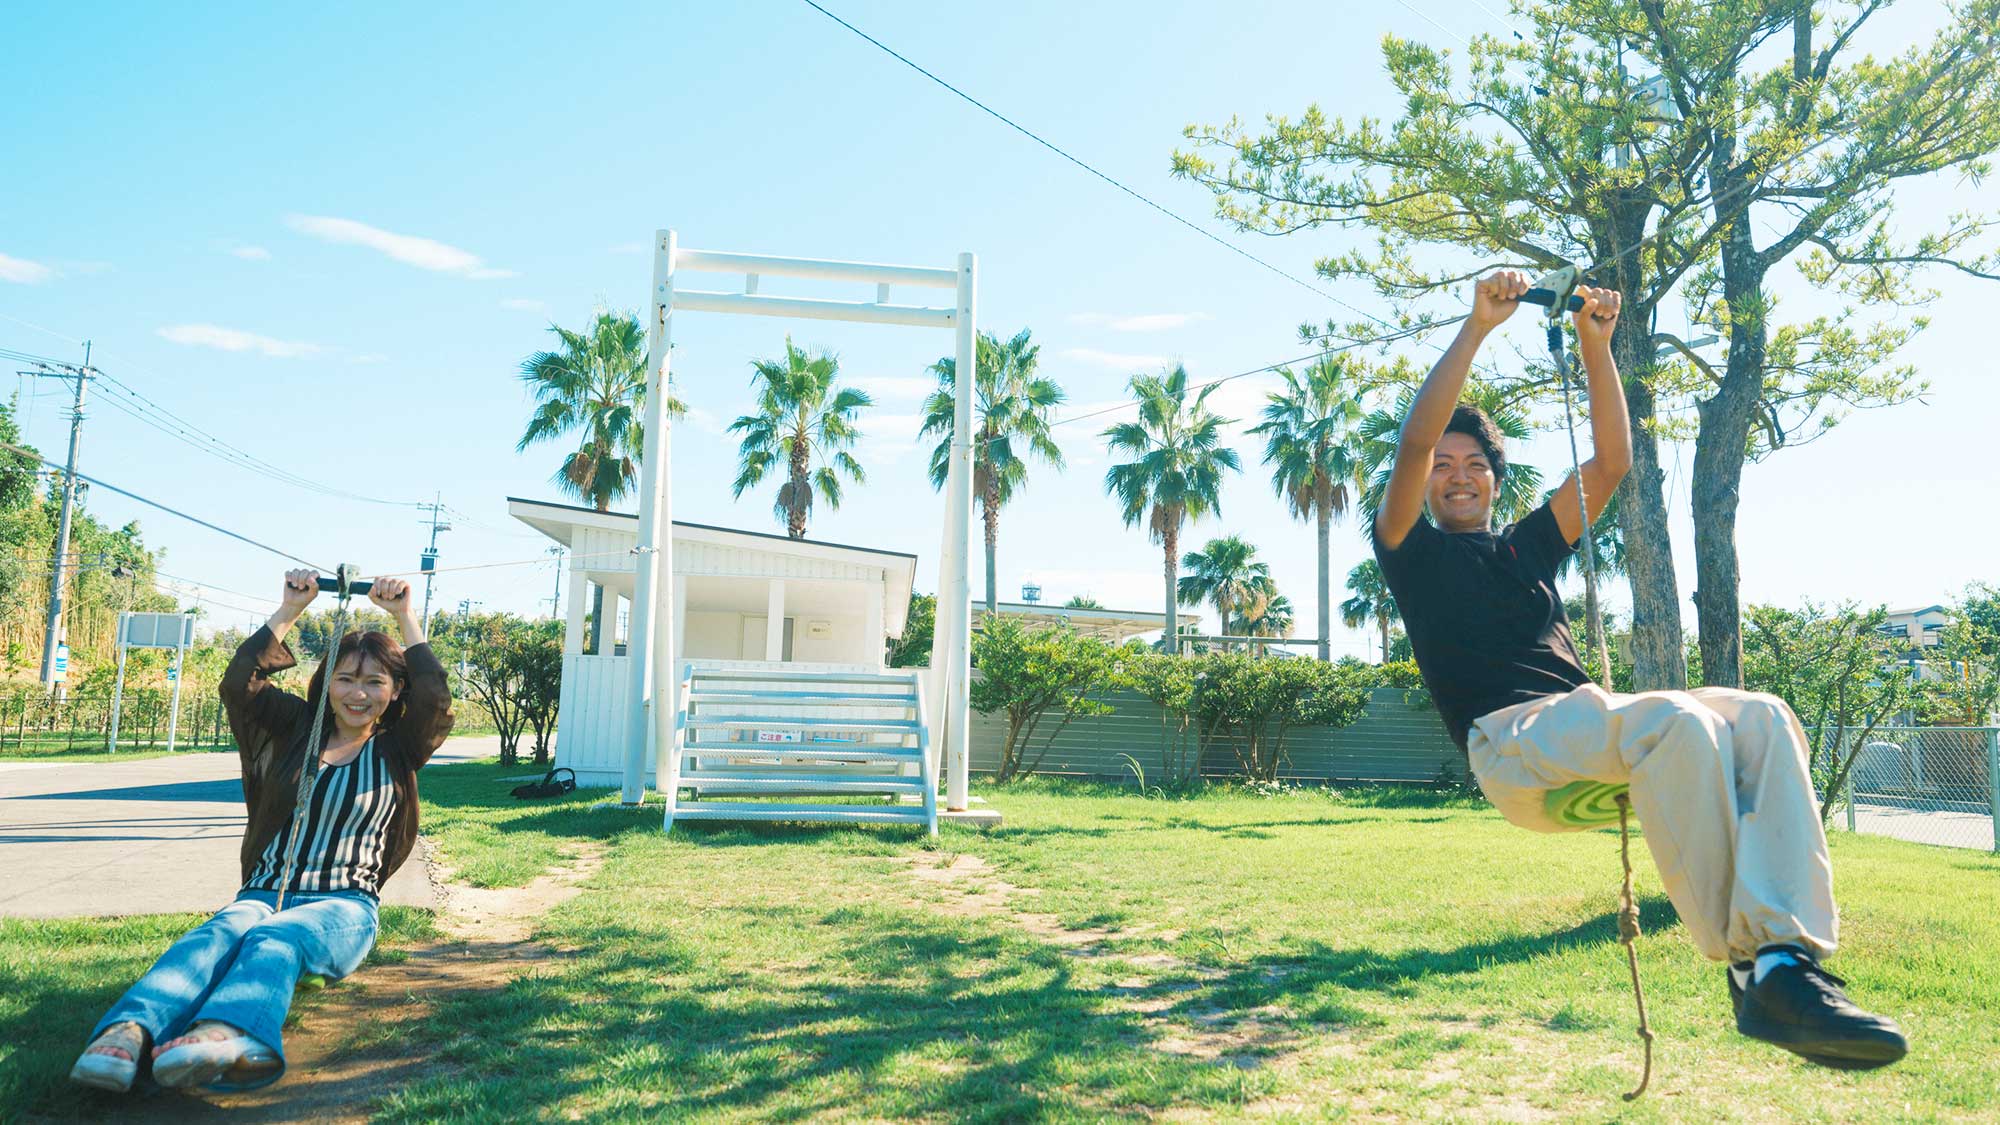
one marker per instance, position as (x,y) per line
(214,195)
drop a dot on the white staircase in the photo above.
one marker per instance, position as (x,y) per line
(788,740)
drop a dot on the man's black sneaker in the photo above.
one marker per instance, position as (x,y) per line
(1800,1007)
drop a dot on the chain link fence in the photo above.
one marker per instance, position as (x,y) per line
(33,724)
(1929,785)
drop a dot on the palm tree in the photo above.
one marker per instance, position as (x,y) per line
(1519,490)
(1010,404)
(596,383)
(1083,601)
(1309,443)
(1271,618)
(806,422)
(1371,599)
(1176,471)
(1226,573)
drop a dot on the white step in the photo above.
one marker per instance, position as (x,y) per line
(856,751)
(803,724)
(752,695)
(713,675)
(755,782)
(750,810)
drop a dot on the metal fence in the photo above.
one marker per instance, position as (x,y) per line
(1930,785)
(1398,739)
(32,723)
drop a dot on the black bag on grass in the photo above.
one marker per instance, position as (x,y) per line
(553,784)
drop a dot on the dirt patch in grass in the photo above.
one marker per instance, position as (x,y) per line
(1170,1013)
(343,1048)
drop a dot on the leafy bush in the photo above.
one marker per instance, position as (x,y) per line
(1253,703)
(1031,674)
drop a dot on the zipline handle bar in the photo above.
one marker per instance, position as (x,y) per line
(1556,291)
(345,583)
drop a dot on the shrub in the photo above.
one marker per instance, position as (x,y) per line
(1032,673)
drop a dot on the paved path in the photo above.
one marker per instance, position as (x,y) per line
(1922,826)
(143,837)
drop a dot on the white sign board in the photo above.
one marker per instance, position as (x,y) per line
(156,630)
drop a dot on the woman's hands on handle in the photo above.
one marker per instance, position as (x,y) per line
(301,587)
(392,596)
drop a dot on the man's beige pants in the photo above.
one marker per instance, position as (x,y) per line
(1720,784)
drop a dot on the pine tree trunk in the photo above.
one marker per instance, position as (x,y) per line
(1172,542)
(1325,582)
(1720,447)
(1657,661)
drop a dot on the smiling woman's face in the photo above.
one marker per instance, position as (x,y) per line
(1461,485)
(361,691)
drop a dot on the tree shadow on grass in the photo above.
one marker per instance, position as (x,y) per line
(909,1016)
(902,1015)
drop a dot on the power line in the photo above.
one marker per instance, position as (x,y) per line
(1052,147)
(25,452)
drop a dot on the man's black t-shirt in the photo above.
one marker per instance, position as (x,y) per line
(1484,617)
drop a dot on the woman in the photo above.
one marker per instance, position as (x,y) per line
(215,1001)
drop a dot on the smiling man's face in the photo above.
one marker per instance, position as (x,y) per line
(1461,485)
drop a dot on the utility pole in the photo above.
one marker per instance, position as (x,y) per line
(52,636)
(555,600)
(429,564)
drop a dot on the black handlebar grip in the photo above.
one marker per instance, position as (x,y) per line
(332,586)
(1547,297)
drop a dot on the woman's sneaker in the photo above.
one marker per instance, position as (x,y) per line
(1800,1007)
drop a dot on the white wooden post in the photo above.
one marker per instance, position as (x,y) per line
(680,620)
(174,713)
(652,706)
(956,590)
(873,634)
(118,685)
(774,621)
(579,604)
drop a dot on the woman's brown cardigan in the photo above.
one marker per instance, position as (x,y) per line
(271,737)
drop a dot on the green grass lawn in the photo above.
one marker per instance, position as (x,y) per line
(58,750)
(58,976)
(1304,955)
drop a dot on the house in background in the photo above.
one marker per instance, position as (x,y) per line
(1918,627)
(742,600)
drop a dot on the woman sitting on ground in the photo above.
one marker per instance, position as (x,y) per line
(215,1001)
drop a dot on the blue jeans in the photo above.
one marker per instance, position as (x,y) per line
(240,966)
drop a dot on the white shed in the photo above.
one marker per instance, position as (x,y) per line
(742,600)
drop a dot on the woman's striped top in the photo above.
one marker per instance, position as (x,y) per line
(345,831)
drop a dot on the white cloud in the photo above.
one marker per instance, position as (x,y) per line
(234,340)
(888,438)
(1143,322)
(1119,361)
(23,272)
(252,253)
(409,249)
(887,387)
(704,420)
(524,304)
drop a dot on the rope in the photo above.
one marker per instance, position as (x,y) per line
(309,770)
(1628,935)
(1628,907)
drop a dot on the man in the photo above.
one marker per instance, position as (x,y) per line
(1718,777)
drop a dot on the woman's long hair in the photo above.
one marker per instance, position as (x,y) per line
(384,652)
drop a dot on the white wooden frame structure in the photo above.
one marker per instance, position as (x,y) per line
(654,679)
